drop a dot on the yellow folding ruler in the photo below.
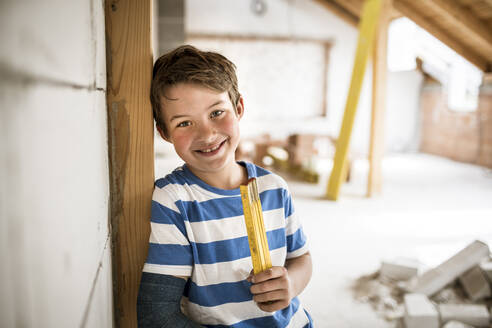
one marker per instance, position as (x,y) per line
(253,217)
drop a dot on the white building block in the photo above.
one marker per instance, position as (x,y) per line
(399,269)
(487,269)
(475,284)
(435,279)
(456,324)
(420,312)
(476,315)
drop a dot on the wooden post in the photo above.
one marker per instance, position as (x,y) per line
(379,82)
(131,151)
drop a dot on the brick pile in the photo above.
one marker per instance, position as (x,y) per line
(455,294)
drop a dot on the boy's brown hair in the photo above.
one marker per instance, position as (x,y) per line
(187,64)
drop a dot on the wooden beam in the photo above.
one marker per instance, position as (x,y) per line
(353,6)
(464,20)
(395,14)
(131,151)
(339,11)
(254,38)
(326,66)
(442,35)
(379,83)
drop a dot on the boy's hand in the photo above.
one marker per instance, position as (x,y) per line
(272,289)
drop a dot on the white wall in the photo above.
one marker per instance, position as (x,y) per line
(54,197)
(402,111)
(299,18)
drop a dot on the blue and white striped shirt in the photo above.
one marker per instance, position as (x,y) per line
(198,231)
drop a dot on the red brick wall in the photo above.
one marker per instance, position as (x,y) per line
(464,137)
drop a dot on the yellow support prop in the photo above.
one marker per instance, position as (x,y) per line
(367,32)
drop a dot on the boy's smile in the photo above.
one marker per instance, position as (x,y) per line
(203,126)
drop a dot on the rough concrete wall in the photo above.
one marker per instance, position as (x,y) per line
(54,237)
(461,136)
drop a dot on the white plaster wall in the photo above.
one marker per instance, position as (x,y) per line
(402,111)
(300,18)
(54,194)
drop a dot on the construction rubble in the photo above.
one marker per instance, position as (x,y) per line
(455,294)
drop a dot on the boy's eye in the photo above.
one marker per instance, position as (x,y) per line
(216,113)
(183,124)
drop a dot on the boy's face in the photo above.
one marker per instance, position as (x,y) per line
(203,126)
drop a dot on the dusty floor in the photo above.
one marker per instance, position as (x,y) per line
(430,208)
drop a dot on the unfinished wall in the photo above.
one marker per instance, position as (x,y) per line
(300,19)
(55,250)
(170,25)
(461,136)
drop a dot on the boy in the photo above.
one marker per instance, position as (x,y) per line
(198,269)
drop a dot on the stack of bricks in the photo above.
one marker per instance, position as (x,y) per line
(471,268)
(300,148)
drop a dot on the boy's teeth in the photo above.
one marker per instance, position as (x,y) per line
(211,149)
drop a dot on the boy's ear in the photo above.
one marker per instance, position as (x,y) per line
(240,107)
(161,132)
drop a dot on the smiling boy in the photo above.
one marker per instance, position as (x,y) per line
(198,269)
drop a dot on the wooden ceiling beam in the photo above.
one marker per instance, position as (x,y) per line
(340,11)
(465,20)
(352,6)
(442,35)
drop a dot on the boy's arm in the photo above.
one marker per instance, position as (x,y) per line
(158,302)
(273,289)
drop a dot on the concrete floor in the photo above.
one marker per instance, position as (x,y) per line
(429,209)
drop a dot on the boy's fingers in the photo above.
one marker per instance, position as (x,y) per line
(268,286)
(250,277)
(275,295)
(273,272)
(273,306)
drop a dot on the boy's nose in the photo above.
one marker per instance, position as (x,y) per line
(207,132)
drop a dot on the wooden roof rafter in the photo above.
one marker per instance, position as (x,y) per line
(464,20)
(463,25)
(442,35)
(340,11)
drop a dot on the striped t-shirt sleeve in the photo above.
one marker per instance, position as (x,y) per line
(169,248)
(296,239)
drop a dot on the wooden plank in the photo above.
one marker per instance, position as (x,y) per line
(326,65)
(339,11)
(131,156)
(464,20)
(254,38)
(353,6)
(379,82)
(442,35)
(365,42)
